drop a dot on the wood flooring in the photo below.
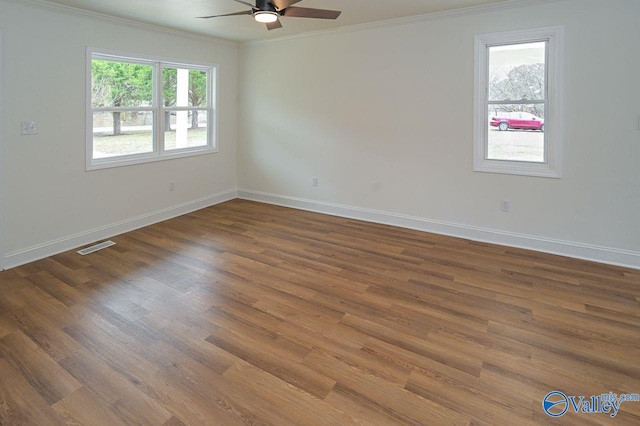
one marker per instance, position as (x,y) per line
(252,314)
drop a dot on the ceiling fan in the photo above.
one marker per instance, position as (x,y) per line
(269,12)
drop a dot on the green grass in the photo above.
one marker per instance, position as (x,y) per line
(139,142)
(516,145)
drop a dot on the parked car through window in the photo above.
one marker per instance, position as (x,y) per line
(517,120)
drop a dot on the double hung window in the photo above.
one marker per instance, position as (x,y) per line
(518,103)
(142,109)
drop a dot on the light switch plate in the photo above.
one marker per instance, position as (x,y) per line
(29,128)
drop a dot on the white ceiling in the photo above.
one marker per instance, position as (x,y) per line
(181,14)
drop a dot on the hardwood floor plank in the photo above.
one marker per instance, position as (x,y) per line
(125,400)
(419,346)
(40,371)
(274,360)
(412,408)
(174,421)
(70,276)
(83,407)
(196,395)
(293,404)
(265,274)
(586,326)
(120,348)
(573,347)
(94,375)
(195,347)
(485,406)
(364,411)
(37,325)
(20,403)
(71,260)
(246,312)
(478,346)
(7,326)
(411,361)
(63,292)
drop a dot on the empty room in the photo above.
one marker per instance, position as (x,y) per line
(319,212)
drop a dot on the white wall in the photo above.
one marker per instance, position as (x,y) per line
(382,115)
(50,202)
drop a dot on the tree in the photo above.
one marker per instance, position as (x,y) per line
(524,82)
(120,84)
(197,93)
(169,93)
(123,84)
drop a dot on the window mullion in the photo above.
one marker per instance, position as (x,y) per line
(521,102)
(187,108)
(117,109)
(159,134)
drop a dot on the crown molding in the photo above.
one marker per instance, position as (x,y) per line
(54,7)
(434,16)
(68,10)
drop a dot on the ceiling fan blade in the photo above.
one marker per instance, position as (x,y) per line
(306,12)
(274,25)
(246,12)
(246,3)
(283,4)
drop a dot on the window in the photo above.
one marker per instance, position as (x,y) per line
(518,103)
(142,109)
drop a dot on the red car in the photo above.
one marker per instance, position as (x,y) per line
(517,120)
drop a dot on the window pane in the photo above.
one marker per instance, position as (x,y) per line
(183,87)
(516,133)
(121,84)
(122,133)
(517,72)
(186,129)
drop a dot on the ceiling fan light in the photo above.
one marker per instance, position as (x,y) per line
(265,17)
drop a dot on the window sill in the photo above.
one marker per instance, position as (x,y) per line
(517,168)
(108,163)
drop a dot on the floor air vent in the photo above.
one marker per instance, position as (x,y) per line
(96,247)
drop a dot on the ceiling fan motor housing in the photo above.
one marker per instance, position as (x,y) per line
(269,11)
(265,6)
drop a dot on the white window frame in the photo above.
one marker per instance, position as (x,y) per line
(553,134)
(158,153)
(1,151)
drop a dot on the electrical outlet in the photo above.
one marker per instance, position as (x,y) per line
(29,128)
(505,206)
(315,182)
(172,186)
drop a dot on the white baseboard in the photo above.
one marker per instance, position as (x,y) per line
(612,256)
(60,245)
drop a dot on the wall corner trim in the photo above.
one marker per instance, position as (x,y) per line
(612,256)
